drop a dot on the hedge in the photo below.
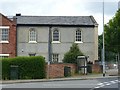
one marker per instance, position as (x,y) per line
(28,67)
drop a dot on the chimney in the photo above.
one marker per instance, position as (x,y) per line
(18,14)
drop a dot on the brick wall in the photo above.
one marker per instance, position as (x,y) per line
(57,70)
(96,68)
(9,48)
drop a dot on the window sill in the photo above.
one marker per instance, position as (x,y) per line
(4,42)
(55,41)
(32,42)
(5,55)
(78,42)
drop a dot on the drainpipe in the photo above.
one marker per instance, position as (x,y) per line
(50,45)
(49,50)
(15,21)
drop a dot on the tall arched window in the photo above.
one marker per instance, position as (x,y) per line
(32,35)
(56,35)
(78,37)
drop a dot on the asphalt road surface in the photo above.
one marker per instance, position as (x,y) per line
(93,84)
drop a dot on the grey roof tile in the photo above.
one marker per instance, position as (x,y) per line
(57,20)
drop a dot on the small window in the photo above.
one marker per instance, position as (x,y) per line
(4,34)
(32,54)
(55,58)
(78,37)
(56,35)
(32,35)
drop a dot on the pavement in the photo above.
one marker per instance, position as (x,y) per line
(77,77)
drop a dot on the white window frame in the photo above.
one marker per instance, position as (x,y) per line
(32,41)
(4,27)
(56,58)
(4,55)
(78,36)
(53,36)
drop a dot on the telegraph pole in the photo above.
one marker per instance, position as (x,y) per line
(103,61)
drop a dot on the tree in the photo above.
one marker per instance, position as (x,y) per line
(112,33)
(112,38)
(71,55)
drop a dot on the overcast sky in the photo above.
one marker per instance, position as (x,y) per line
(61,8)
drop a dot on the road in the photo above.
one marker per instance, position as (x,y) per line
(92,84)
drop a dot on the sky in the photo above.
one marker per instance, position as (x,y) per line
(62,8)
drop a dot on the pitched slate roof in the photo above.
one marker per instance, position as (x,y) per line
(56,20)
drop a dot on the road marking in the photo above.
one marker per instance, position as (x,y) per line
(116,80)
(113,82)
(108,84)
(99,85)
(105,82)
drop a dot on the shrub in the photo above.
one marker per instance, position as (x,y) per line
(71,55)
(28,67)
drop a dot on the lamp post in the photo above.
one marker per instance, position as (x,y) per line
(103,55)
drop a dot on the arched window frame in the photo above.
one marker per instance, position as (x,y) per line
(78,36)
(32,35)
(56,36)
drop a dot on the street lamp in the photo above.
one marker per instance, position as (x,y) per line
(103,55)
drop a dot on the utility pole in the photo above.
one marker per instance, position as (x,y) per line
(103,61)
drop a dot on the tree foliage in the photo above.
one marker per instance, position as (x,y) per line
(112,38)
(112,33)
(71,55)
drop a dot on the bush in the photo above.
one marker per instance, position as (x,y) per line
(29,67)
(71,55)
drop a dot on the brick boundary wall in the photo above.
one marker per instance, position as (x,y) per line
(96,68)
(57,70)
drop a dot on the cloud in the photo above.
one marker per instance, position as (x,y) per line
(26,7)
(66,8)
(55,7)
(60,8)
(97,7)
